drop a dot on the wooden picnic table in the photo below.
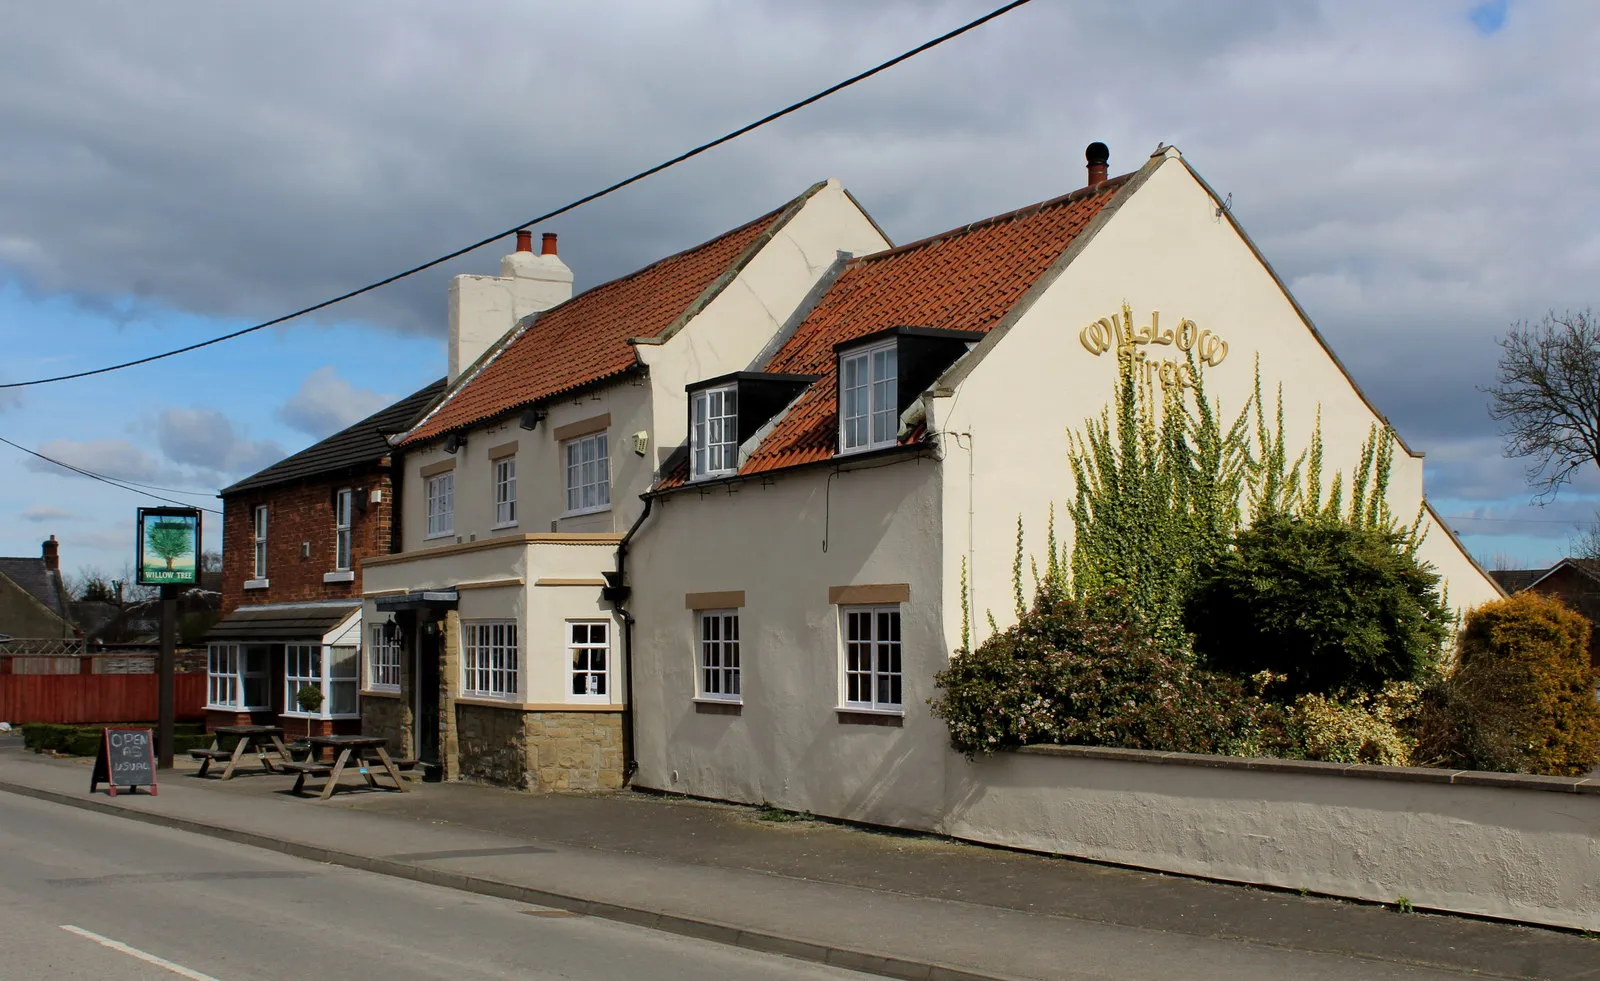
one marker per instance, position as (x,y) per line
(262,739)
(347,745)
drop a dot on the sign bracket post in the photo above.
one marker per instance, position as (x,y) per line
(166,669)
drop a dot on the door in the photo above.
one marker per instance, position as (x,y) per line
(428,652)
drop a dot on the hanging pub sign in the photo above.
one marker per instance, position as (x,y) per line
(169,547)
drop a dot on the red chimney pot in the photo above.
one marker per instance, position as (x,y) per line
(524,240)
(549,246)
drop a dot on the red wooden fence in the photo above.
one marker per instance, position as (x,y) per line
(95,697)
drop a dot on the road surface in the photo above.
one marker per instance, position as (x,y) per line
(91,896)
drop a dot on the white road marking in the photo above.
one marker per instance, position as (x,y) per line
(118,945)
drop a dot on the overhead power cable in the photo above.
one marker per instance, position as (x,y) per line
(619,185)
(113,481)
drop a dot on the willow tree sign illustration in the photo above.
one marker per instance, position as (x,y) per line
(169,546)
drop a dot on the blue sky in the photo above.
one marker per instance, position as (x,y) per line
(1415,171)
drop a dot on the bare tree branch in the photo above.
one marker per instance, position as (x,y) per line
(1548,396)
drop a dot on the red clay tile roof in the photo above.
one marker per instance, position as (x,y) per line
(964,279)
(585,339)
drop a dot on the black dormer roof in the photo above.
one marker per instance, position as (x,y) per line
(762,395)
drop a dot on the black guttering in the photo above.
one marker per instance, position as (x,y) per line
(843,463)
(617,591)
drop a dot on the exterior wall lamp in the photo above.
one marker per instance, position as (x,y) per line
(531,419)
(453,442)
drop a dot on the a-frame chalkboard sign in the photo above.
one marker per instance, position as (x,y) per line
(127,758)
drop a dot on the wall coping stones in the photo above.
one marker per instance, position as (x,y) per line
(1412,774)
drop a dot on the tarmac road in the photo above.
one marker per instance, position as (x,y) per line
(85,895)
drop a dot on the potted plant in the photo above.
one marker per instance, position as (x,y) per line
(309,698)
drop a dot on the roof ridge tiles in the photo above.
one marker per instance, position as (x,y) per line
(1026,211)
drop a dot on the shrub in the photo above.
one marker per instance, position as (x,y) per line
(1088,675)
(1363,728)
(1522,697)
(1330,605)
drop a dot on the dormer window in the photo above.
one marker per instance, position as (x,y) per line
(726,411)
(868,394)
(882,373)
(715,436)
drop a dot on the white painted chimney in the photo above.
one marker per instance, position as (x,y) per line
(484,308)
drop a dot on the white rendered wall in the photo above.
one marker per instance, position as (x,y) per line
(788,746)
(515,571)
(1495,851)
(1164,250)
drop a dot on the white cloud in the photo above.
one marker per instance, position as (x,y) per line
(45,513)
(327,403)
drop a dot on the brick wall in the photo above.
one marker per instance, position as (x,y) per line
(296,513)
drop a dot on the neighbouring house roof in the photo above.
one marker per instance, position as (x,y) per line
(38,580)
(1516,580)
(966,279)
(280,623)
(1589,568)
(587,339)
(365,442)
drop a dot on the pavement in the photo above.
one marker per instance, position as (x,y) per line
(885,903)
(86,895)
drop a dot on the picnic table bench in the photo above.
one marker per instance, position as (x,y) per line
(353,750)
(264,740)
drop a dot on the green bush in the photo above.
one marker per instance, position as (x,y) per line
(1329,605)
(1522,696)
(85,740)
(1087,675)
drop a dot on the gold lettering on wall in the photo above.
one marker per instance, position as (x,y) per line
(1119,331)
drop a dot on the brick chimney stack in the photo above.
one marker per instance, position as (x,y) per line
(52,554)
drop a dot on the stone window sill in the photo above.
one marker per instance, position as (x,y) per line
(257,583)
(380,692)
(718,706)
(343,575)
(870,717)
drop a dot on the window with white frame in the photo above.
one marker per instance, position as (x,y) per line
(588,474)
(340,687)
(261,541)
(236,677)
(332,670)
(505,491)
(588,660)
(714,437)
(489,659)
(868,398)
(343,510)
(719,654)
(872,657)
(383,658)
(441,495)
(302,666)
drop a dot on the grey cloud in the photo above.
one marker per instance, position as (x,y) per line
(205,439)
(45,513)
(327,403)
(115,458)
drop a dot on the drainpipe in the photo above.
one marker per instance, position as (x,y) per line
(617,592)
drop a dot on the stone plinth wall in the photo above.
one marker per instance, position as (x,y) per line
(389,718)
(539,750)
(575,750)
(490,745)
